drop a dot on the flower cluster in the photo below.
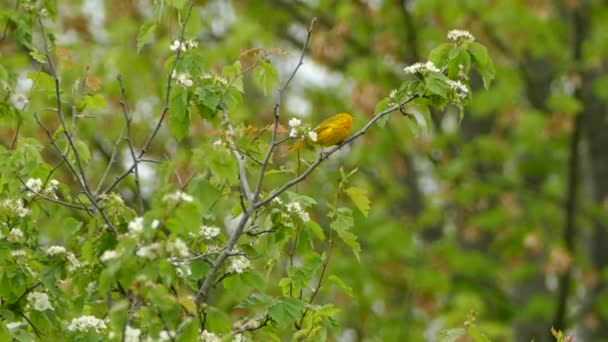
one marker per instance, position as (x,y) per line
(109,255)
(184,46)
(150,251)
(183,79)
(296,208)
(207,336)
(15,206)
(460,35)
(132,334)
(178,248)
(297,130)
(239,264)
(177,197)
(459,88)
(421,68)
(53,251)
(86,324)
(15,235)
(209,232)
(34,186)
(136,226)
(39,301)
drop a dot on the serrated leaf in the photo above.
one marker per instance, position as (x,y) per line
(146,31)
(233,74)
(38,56)
(359,197)
(286,311)
(179,117)
(301,276)
(91,102)
(316,229)
(342,223)
(333,279)
(267,76)
(381,106)
(255,300)
(440,54)
(483,62)
(435,84)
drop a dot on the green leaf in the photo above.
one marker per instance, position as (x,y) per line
(91,102)
(266,76)
(146,31)
(451,335)
(179,116)
(83,151)
(342,223)
(381,106)
(209,99)
(439,55)
(316,229)
(301,276)
(286,311)
(435,84)
(334,279)
(255,300)
(188,332)
(476,335)
(359,197)
(233,74)
(483,62)
(38,56)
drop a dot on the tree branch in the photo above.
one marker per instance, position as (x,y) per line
(144,149)
(123,105)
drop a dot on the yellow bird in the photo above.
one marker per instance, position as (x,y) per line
(332,131)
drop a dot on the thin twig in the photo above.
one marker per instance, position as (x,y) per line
(123,105)
(324,155)
(50,199)
(146,146)
(80,174)
(112,158)
(245,188)
(277,113)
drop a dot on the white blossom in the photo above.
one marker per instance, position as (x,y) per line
(86,324)
(15,206)
(19,101)
(74,263)
(18,253)
(178,196)
(239,338)
(207,336)
(421,68)
(166,335)
(191,44)
(295,122)
(461,90)
(178,247)
(55,250)
(39,301)
(91,287)
(296,208)
(34,184)
(312,135)
(155,224)
(136,226)
(109,255)
(239,264)
(15,235)
(293,133)
(150,251)
(183,79)
(132,334)
(14,325)
(457,35)
(176,45)
(209,232)
(182,269)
